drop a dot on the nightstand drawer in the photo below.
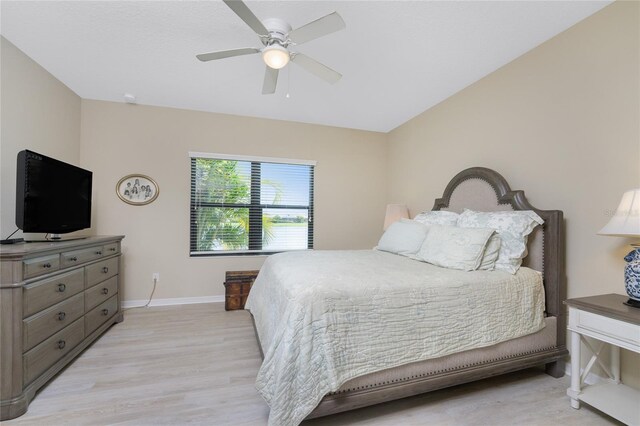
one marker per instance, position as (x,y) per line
(101,271)
(42,294)
(76,257)
(43,356)
(40,265)
(99,293)
(603,328)
(100,314)
(42,325)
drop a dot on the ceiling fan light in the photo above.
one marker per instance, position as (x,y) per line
(275,56)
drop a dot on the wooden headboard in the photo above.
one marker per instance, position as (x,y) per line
(482,189)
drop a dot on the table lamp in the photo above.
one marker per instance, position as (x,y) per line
(626,223)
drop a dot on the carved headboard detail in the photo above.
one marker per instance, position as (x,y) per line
(482,189)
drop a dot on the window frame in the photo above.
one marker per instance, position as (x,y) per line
(255,207)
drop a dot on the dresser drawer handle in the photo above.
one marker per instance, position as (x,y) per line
(73,259)
(105,270)
(61,344)
(112,249)
(105,312)
(99,252)
(46,265)
(62,287)
(105,291)
(61,316)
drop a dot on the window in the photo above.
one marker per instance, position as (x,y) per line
(245,205)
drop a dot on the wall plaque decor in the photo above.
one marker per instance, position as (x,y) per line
(137,189)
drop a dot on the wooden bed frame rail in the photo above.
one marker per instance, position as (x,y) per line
(337,403)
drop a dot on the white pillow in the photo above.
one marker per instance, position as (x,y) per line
(437,217)
(453,247)
(404,237)
(490,254)
(513,227)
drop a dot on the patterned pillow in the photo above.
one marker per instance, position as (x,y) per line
(453,247)
(437,217)
(403,237)
(513,227)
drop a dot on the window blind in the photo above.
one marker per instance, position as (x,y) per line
(244,205)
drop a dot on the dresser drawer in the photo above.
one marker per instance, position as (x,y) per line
(42,294)
(97,316)
(43,356)
(40,265)
(110,249)
(42,325)
(100,271)
(100,292)
(76,257)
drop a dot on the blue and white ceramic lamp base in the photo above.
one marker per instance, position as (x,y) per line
(632,277)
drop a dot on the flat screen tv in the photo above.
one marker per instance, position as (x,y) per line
(51,196)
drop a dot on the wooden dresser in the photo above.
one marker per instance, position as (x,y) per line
(55,299)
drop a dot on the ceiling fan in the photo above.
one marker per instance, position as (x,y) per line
(277,37)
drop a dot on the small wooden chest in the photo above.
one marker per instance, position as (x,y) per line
(237,285)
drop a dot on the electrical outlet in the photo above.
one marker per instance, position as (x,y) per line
(156,276)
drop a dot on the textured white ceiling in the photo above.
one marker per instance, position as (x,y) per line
(398,58)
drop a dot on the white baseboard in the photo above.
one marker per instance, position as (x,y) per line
(175,301)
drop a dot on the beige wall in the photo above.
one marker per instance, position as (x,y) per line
(39,113)
(561,122)
(119,139)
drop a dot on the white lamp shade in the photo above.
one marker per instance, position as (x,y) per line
(395,212)
(275,56)
(626,220)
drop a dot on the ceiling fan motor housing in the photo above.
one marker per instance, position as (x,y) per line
(278,31)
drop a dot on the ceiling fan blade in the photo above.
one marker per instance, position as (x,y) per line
(318,28)
(247,16)
(204,57)
(315,67)
(270,81)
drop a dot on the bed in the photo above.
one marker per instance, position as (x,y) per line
(320,359)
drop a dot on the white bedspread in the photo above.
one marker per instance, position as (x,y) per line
(324,317)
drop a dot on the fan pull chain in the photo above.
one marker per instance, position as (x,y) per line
(288,81)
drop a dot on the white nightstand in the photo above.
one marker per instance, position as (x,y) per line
(608,320)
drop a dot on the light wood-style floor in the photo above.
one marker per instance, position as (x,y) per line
(197,364)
